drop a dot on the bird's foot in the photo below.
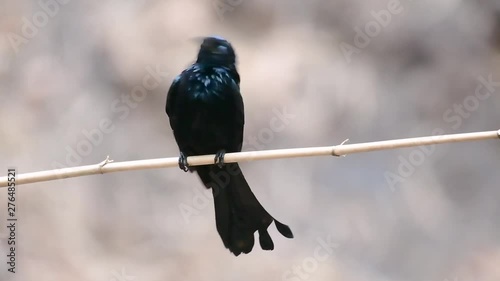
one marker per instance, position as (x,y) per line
(219,158)
(183,164)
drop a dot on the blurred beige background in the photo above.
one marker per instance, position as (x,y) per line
(80,80)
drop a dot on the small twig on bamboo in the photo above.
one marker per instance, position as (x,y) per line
(103,163)
(344,155)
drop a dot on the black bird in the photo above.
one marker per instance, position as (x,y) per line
(206,113)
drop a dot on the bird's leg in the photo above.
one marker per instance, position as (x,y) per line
(219,158)
(183,164)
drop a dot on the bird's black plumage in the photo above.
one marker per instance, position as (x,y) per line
(206,113)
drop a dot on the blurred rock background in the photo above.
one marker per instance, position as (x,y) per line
(71,74)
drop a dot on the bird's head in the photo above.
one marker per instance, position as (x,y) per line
(216,50)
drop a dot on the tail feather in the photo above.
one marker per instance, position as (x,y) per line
(283,229)
(265,240)
(238,213)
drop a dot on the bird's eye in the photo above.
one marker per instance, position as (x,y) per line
(220,49)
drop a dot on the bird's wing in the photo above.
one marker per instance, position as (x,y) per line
(172,93)
(170,106)
(239,114)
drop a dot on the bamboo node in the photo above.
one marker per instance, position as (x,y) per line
(336,154)
(103,163)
